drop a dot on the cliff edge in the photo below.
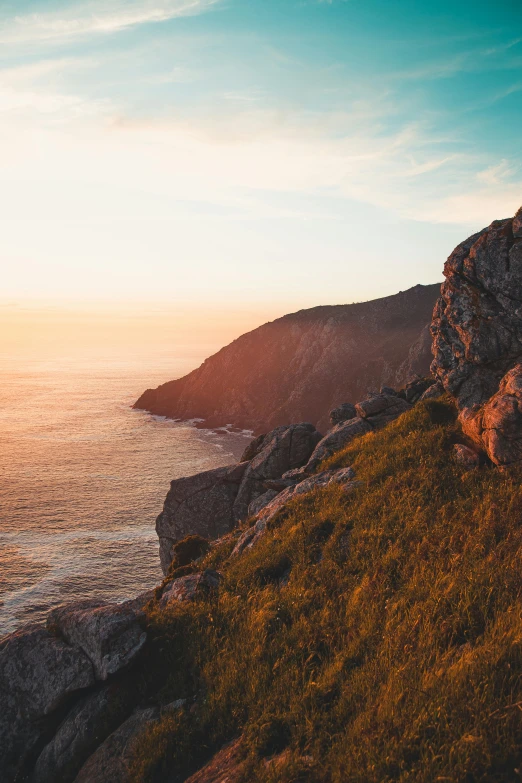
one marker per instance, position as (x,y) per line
(298,367)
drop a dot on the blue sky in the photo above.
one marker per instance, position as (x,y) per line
(270,151)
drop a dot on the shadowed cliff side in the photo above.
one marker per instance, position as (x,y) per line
(300,366)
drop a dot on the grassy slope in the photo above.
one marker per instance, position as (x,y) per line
(393,652)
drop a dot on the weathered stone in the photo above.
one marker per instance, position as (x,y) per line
(38,673)
(466,456)
(227,766)
(285,448)
(388,390)
(497,425)
(344,412)
(280,484)
(110,763)
(380,409)
(201,504)
(477,322)
(86,726)
(339,437)
(253,448)
(191,587)
(262,501)
(297,473)
(109,634)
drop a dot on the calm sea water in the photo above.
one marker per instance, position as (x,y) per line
(82,479)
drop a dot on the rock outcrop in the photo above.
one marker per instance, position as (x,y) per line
(210,504)
(202,504)
(85,727)
(496,426)
(38,674)
(191,587)
(299,367)
(284,449)
(112,759)
(110,635)
(477,322)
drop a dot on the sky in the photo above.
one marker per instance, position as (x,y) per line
(265,155)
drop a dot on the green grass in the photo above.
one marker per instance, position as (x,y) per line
(373,637)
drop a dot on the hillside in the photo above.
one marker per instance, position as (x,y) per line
(299,367)
(369,638)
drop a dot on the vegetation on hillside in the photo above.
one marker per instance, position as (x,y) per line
(369,637)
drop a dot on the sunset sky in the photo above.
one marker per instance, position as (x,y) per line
(280,153)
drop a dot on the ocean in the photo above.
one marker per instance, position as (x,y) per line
(83,477)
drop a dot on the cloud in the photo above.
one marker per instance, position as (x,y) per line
(95,17)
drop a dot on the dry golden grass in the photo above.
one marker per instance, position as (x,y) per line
(372,637)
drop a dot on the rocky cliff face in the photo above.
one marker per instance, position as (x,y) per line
(300,366)
(477,338)
(477,323)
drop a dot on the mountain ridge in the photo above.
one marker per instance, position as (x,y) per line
(301,365)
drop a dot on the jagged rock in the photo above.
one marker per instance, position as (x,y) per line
(282,483)
(432,392)
(191,587)
(38,672)
(379,409)
(201,504)
(110,763)
(344,412)
(283,449)
(86,726)
(339,437)
(466,456)
(253,448)
(497,425)
(477,322)
(109,634)
(262,501)
(387,390)
(297,473)
(227,766)
(299,367)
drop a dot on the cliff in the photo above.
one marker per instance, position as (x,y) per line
(300,366)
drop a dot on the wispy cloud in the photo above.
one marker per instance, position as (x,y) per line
(95,17)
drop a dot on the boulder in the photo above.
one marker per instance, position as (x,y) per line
(191,587)
(477,321)
(496,426)
(111,761)
(260,502)
(380,409)
(201,504)
(38,674)
(466,456)
(85,727)
(339,437)
(110,635)
(344,412)
(284,449)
